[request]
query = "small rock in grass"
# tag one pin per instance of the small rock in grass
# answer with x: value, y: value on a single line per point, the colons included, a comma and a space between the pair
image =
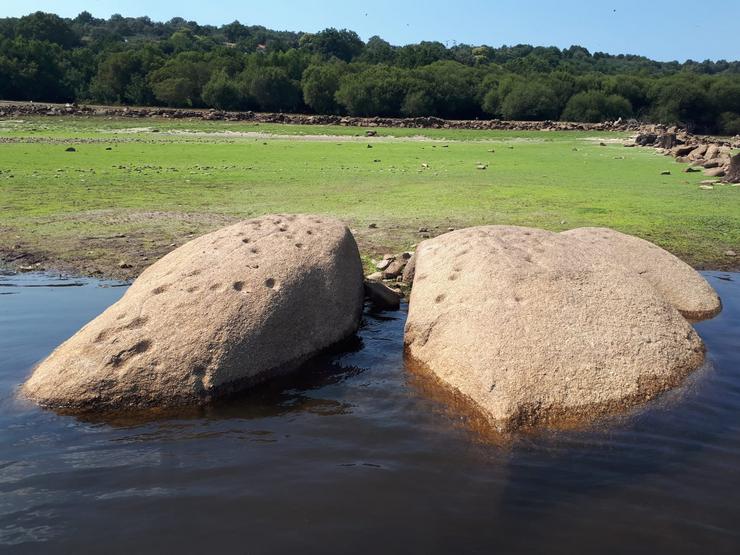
x: 372, y: 226
x: 70, y: 149
x: 715, y: 172
x: 706, y: 187
x: 666, y: 172
x: 124, y: 265
x: 730, y: 253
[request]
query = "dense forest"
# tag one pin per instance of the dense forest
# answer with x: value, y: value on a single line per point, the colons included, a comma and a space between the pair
x: 237, y: 67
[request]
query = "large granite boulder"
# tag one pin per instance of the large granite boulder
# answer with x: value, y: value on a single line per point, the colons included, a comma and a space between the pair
x: 672, y: 278
x: 532, y: 327
x: 222, y: 312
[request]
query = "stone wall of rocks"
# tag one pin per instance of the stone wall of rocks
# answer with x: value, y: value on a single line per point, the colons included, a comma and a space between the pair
x: 20, y: 109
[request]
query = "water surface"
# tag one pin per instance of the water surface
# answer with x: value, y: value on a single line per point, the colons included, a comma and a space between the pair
x: 350, y: 456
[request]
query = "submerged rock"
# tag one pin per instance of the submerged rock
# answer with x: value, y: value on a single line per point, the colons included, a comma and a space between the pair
x: 224, y: 311
x: 381, y: 296
x: 532, y: 327
x: 672, y: 278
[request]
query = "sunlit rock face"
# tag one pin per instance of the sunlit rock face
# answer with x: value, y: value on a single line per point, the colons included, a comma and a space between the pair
x: 534, y: 327
x: 222, y: 312
x: 673, y: 279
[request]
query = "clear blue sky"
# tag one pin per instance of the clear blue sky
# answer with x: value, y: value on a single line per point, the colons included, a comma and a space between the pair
x: 663, y: 30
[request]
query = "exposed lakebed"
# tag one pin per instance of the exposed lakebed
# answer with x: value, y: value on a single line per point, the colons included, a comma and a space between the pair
x: 353, y: 455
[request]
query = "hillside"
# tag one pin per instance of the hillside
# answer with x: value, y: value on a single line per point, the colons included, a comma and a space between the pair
x: 136, y: 61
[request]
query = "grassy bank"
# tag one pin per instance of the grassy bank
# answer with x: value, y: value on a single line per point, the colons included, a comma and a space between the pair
x: 131, y: 191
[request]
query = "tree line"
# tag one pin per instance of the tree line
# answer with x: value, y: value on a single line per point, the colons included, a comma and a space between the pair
x: 180, y: 63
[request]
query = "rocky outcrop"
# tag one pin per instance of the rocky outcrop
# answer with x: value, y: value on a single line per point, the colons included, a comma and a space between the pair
x: 222, y: 312
x: 704, y: 152
x: 674, y: 280
x: 533, y: 327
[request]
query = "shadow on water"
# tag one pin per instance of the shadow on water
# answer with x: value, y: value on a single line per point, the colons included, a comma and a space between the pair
x: 280, y: 396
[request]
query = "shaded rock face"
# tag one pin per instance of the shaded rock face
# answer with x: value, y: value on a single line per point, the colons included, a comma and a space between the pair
x: 381, y: 296
x: 674, y: 280
x: 534, y: 327
x: 223, y: 311
x: 733, y: 173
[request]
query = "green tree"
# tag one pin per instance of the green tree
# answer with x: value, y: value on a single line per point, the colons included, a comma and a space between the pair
x: 376, y: 91
x: 530, y: 100
x: 378, y: 51
x: 684, y: 100
x: 122, y: 77
x: 342, y: 44
x: 418, y: 102
x: 596, y: 106
x: 320, y: 84
x: 273, y: 90
x: 222, y: 92
x: 47, y: 27
x: 422, y: 54
x: 181, y: 80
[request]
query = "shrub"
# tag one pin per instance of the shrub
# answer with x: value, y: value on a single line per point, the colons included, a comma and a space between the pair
x: 273, y: 90
x: 222, y: 92
x: 530, y: 101
x: 320, y: 84
x: 596, y: 106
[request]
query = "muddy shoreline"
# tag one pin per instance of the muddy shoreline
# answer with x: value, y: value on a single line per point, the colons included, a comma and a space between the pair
x: 128, y: 256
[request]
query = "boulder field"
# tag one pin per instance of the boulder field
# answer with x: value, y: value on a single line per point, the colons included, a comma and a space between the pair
x: 224, y: 311
x: 712, y: 154
x: 534, y: 327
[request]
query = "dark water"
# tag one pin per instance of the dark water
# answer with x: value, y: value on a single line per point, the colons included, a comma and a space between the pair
x: 352, y: 457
